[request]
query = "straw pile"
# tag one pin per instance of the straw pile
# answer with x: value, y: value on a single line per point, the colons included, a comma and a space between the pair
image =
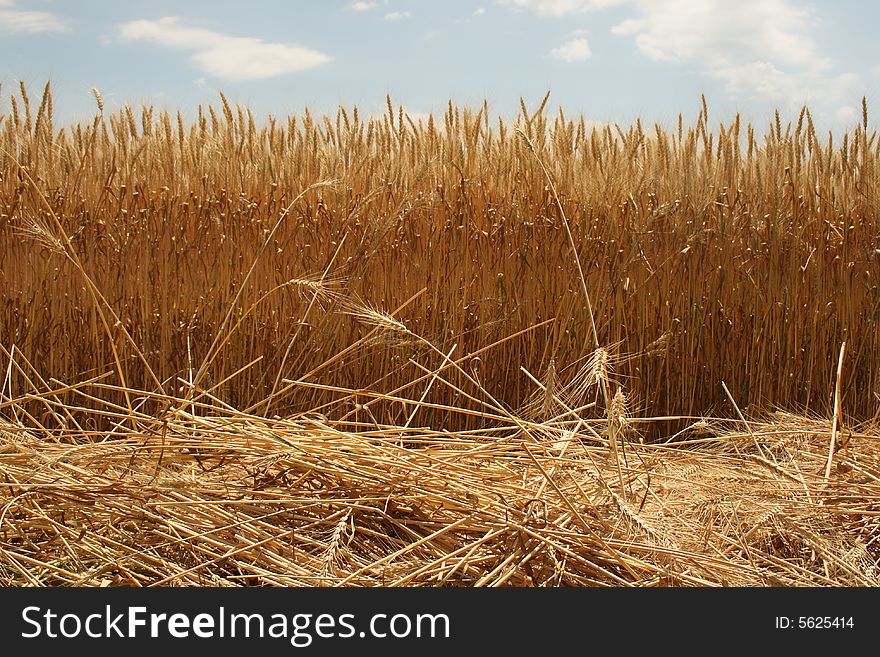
x: 213, y: 497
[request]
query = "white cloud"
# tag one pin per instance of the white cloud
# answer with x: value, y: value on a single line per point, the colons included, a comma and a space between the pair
x: 715, y: 31
x: 629, y: 26
x: 759, y: 48
x: 559, y: 7
x: 397, y: 15
x: 576, y: 50
x: 363, y: 6
x: 479, y: 11
x: 847, y: 115
x: 222, y: 56
x: 14, y: 21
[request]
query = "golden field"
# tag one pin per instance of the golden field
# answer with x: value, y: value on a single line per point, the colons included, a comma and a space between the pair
x: 462, y: 351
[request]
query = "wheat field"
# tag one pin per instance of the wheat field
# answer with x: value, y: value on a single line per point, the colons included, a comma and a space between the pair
x: 461, y: 351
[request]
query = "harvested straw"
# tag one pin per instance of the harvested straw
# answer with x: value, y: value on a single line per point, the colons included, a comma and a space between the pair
x: 219, y: 497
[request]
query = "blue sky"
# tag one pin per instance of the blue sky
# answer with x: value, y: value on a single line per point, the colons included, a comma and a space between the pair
x: 612, y: 60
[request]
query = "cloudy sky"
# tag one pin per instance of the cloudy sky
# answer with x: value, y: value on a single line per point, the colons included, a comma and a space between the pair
x: 611, y: 60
